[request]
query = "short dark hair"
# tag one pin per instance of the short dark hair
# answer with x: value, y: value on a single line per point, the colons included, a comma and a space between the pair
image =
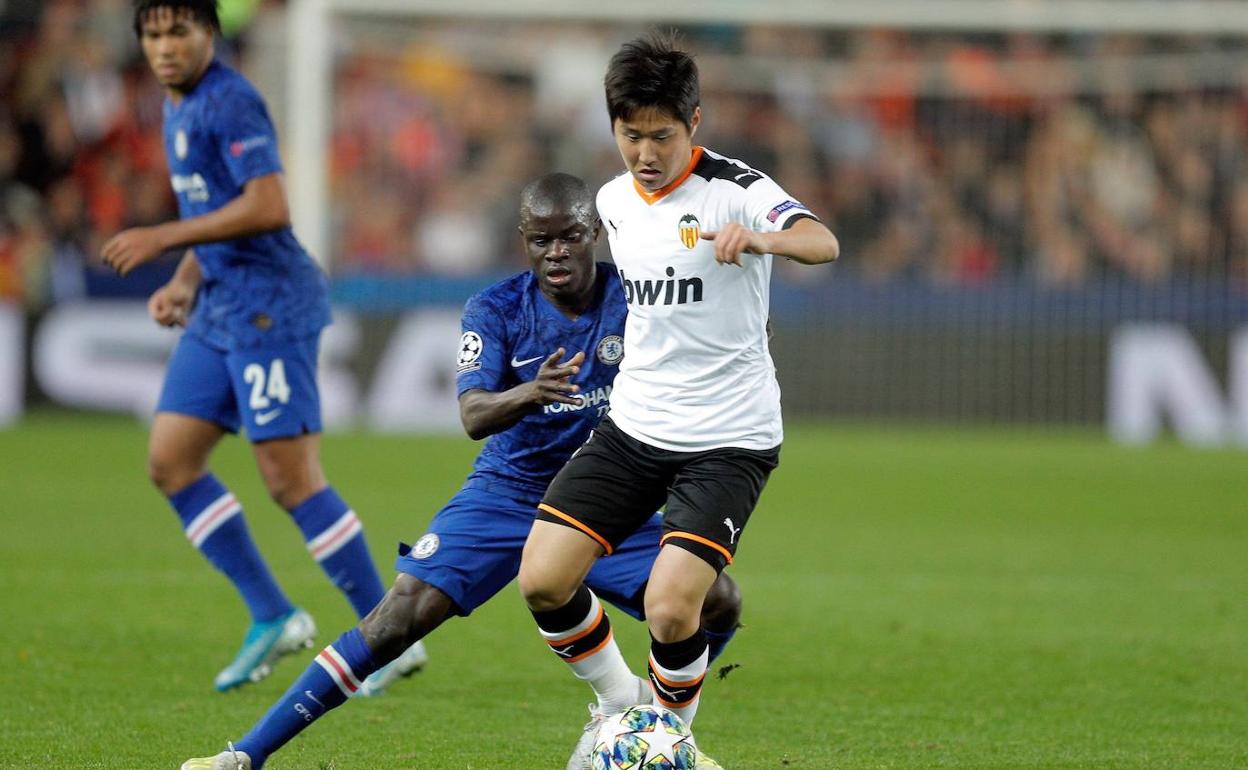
x: 558, y: 190
x: 652, y: 72
x: 204, y: 11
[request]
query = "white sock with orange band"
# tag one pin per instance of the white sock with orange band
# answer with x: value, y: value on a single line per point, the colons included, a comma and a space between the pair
x: 677, y: 670
x: 580, y: 634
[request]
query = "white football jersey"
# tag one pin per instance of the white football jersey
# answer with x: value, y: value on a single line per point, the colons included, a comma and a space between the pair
x: 697, y: 372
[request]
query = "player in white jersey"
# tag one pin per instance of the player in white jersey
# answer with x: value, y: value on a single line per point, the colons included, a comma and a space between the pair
x: 695, y: 410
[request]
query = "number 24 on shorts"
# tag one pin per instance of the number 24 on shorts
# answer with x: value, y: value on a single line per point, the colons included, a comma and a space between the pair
x: 267, y: 388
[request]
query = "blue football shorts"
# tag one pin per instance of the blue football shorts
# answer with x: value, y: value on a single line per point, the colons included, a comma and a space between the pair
x: 472, y: 549
x: 269, y: 391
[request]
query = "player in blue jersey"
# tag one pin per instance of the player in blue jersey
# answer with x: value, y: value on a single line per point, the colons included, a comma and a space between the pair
x: 536, y: 360
x: 254, y: 304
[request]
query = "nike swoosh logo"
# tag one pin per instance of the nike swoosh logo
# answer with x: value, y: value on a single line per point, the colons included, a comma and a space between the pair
x: 264, y: 418
x: 518, y: 364
x: 737, y: 178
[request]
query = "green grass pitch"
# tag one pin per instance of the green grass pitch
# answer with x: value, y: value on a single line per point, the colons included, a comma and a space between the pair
x: 915, y: 598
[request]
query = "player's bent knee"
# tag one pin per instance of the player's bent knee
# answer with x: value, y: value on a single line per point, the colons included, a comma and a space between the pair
x: 533, y: 589
x: 171, y: 474
x: 289, y: 488
x: 680, y: 581
x: 281, y: 482
x: 159, y: 472
x: 542, y: 590
x: 407, y: 613
x: 673, y: 627
x: 555, y: 561
x: 671, y: 617
x: 281, y: 490
x: 290, y: 469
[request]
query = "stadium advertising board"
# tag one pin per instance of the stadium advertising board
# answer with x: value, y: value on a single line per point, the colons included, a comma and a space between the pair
x: 1158, y: 376
x: 12, y: 363
x: 109, y: 356
x: 394, y: 372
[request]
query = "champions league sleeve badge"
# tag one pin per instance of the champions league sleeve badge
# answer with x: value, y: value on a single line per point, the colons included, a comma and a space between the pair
x: 470, y: 347
x: 611, y: 350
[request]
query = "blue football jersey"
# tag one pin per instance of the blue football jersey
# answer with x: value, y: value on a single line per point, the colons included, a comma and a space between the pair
x: 255, y: 290
x: 509, y: 329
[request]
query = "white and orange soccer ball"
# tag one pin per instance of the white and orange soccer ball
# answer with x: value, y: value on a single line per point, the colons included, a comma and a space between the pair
x: 644, y: 737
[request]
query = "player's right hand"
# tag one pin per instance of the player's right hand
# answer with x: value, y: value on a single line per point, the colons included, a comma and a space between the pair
x: 553, y: 383
x: 734, y: 240
x: 134, y: 247
x: 170, y: 305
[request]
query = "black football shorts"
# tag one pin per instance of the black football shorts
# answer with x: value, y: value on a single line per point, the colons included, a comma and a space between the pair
x: 614, y: 483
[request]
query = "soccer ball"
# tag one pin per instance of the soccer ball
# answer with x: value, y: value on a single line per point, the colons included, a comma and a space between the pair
x: 644, y: 738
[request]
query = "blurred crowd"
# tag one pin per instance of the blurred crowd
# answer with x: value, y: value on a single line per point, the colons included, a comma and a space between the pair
x: 954, y: 160
x: 80, y: 148
x: 951, y: 160
x: 80, y: 152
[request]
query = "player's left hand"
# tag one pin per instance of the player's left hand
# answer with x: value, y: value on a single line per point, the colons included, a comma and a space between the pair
x: 130, y: 248
x: 734, y: 240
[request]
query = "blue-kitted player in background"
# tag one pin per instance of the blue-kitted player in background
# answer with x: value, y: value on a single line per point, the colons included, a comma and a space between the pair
x: 535, y: 364
x: 254, y: 304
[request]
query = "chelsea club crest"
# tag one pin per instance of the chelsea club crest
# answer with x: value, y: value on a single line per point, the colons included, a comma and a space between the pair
x: 426, y: 546
x: 611, y: 350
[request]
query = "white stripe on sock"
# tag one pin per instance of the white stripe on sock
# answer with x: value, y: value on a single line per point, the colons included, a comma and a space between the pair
x: 686, y: 674
x: 211, y: 518
x: 338, y: 670
x: 679, y: 678
x: 335, y: 536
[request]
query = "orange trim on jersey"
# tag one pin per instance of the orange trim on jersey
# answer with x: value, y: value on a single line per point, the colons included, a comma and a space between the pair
x: 661, y: 193
x: 602, y: 541
x: 581, y: 635
x: 587, y: 653
x: 699, y: 539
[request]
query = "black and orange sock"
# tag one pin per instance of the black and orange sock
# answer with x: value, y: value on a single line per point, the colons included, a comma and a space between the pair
x: 677, y: 670
x: 579, y: 632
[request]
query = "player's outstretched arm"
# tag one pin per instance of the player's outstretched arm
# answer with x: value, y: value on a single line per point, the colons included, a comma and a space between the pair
x: 171, y: 304
x: 259, y: 209
x: 485, y: 413
x: 808, y: 241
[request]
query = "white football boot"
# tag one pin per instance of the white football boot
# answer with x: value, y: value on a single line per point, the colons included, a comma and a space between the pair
x: 230, y: 759
x: 583, y: 754
x: 410, y: 661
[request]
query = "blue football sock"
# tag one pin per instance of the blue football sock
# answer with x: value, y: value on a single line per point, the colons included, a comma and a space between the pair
x: 335, y: 538
x: 213, y: 521
x: 329, y: 680
x: 716, y: 641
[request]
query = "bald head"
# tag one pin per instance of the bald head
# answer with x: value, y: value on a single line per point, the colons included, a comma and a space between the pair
x: 559, y: 227
x: 557, y: 193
